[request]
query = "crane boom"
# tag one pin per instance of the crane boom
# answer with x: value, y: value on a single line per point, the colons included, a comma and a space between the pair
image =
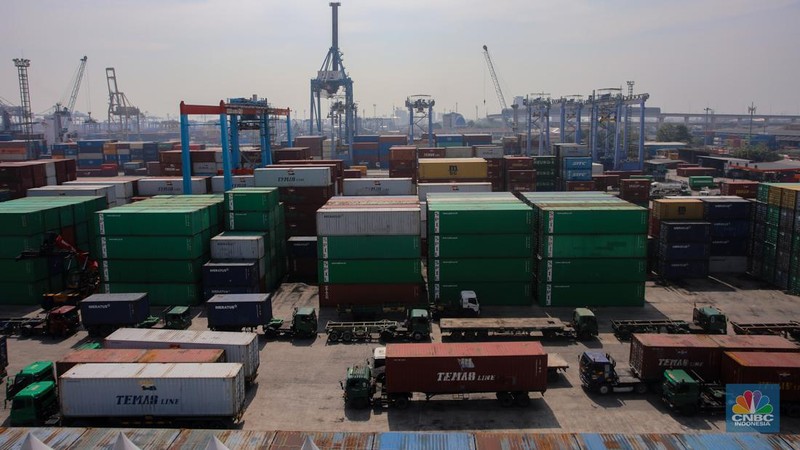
x: 496, y: 82
x: 76, y: 87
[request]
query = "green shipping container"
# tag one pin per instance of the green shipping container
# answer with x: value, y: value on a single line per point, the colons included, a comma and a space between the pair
x: 481, y: 246
x: 161, y: 294
x: 23, y: 271
x: 590, y: 270
x: 21, y: 222
x: 250, y: 221
x: 123, y: 221
x: 152, y: 271
x: 477, y: 218
x: 593, y: 246
x: 154, y: 247
x: 251, y: 199
x: 12, y: 246
x: 372, y: 271
x: 480, y: 269
x: 589, y: 219
x: 489, y: 294
x: 23, y: 293
x: 590, y: 294
x: 368, y: 247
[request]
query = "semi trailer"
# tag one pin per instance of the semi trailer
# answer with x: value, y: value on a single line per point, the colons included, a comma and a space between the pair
x: 510, y: 371
x: 237, y: 312
x: 416, y: 326
x: 582, y: 326
x: 466, y: 305
x: 101, y: 314
x: 705, y: 320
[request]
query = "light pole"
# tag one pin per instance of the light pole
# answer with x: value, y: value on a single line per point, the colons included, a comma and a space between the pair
x: 708, y: 125
x: 751, y: 110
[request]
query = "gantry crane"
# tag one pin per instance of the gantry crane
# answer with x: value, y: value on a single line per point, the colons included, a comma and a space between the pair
x: 26, y: 117
x: 63, y: 114
x: 120, y: 110
x: 500, y: 96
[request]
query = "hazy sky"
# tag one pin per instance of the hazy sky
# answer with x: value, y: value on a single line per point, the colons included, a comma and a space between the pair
x: 687, y: 54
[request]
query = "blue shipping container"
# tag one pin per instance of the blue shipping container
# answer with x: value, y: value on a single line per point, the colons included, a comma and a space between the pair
x: 366, y: 138
x: 729, y: 247
x: 731, y: 229
x: 577, y: 175
x: 90, y: 163
x: 238, y: 310
x: 722, y: 209
x: 684, y: 231
x: 577, y: 163
x: 683, y: 269
x: 683, y: 251
x: 115, y: 309
x: 210, y: 291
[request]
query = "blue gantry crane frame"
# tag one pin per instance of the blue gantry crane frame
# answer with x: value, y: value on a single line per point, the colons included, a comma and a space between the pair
x: 538, y: 111
x: 420, y: 107
x: 570, y: 109
x: 256, y: 112
x: 610, y: 113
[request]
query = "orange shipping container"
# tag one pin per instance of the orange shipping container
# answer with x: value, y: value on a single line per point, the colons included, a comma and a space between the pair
x: 678, y: 209
x: 452, y: 168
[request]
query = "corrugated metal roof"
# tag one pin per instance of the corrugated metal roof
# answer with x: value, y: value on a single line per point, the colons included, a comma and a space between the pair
x: 517, y: 441
x: 144, y: 438
x: 675, y: 340
x: 233, y: 439
x: 766, y: 359
x: 182, y: 336
x: 153, y: 370
x: 769, y: 343
x: 293, y: 440
x: 732, y: 441
x: 58, y: 438
x: 464, y: 349
x: 593, y: 441
x: 425, y: 441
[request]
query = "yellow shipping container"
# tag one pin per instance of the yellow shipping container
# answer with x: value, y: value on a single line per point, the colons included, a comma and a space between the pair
x: 452, y: 168
x: 774, y: 195
x: 678, y: 209
x: 362, y: 169
x: 789, y: 196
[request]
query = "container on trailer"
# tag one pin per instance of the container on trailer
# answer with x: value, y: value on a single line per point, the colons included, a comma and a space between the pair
x: 353, y: 221
x: 172, y: 390
x: 130, y: 355
x: 239, y: 310
x: 652, y: 354
x: 763, y: 368
x: 445, y: 368
x: 239, y: 347
x: 378, y: 186
x: 293, y: 176
x: 118, y: 309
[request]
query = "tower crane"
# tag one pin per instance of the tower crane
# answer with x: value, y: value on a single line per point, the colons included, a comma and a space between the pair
x: 497, y: 88
x: 63, y: 114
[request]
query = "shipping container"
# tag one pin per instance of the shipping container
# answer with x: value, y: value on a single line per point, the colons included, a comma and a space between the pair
x: 263, y: 199
x: 239, y: 348
x: 590, y: 294
x: 152, y: 270
x: 678, y: 270
x: 443, y: 368
x: 727, y: 264
x: 488, y: 151
x: 764, y: 368
x: 480, y: 269
x: 107, y: 191
x: 130, y: 355
x: 678, y: 209
x: 237, y: 311
x: 385, y: 271
x: 478, y: 218
x: 423, y: 189
x: 302, y: 247
x: 147, y: 187
x: 481, y: 246
x: 628, y: 219
x: 371, y: 294
x: 277, y: 176
x: 593, y: 246
x: 452, y: 168
x: 731, y: 229
x: 369, y: 247
x: 117, y: 309
x: 351, y: 221
x: 379, y: 186
x: 459, y: 152
x: 238, y: 245
x: 589, y: 270
x: 683, y: 251
x: 725, y: 208
x: 152, y: 247
x: 684, y: 231
x: 503, y: 293
x: 231, y: 273
x: 116, y: 391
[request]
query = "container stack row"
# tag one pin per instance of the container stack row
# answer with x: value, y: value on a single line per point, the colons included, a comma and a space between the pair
x: 730, y: 219
x: 445, y: 170
x: 683, y: 238
x: 17, y: 177
x: 24, y: 225
x: 574, y: 167
x: 590, y: 247
x: 519, y: 174
x: 158, y: 246
x: 90, y: 153
x: 366, y: 151
x: 776, y: 236
x: 368, y: 251
x: 403, y: 162
x: 302, y: 190
x: 480, y: 242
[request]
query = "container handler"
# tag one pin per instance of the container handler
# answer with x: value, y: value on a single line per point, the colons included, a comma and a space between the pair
x: 705, y: 320
x: 416, y: 327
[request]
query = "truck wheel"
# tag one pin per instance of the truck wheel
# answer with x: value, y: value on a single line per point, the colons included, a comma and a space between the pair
x: 506, y: 400
x: 417, y: 336
x: 522, y: 399
x: 333, y: 336
x: 400, y: 402
x: 347, y: 336
x: 640, y: 388
x: 386, y: 335
x: 604, y: 389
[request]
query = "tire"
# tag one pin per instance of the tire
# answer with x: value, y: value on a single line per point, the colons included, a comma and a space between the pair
x: 347, y: 336
x: 506, y: 399
x: 416, y: 336
x: 604, y: 389
x: 400, y: 402
x: 640, y: 388
x: 522, y: 399
x: 333, y: 336
x: 386, y: 335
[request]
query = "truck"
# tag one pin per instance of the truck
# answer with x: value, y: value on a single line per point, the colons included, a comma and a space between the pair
x: 687, y: 393
x: 239, y: 348
x: 135, y: 394
x: 177, y: 317
x: 510, y: 370
x: 582, y: 326
x: 705, y: 320
x: 598, y: 373
x: 235, y: 312
x: 101, y: 314
x: 32, y: 373
x: 59, y: 321
x: 786, y: 329
x: 3, y: 357
x: 416, y: 326
x: 662, y: 189
x: 466, y: 305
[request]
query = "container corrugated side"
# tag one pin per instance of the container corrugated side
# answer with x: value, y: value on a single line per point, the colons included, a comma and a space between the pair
x: 481, y: 245
x: 593, y: 246
x: 239, y: 347
x: 368, y: 247
x: 423, y: 189
x: 293, y: 176
x: 237, y: 181
x: 589, y: 270
x: 603, y: 220
x: 378, y: 186
x: 480, y: 269
x: 591, y: 294
x: 147, y: 187
x: 479, y: 218
x: 238, y: 245
x: 452, y: 168
x: 384, y: 271
x: 403, y: 220
x: 116, y: 390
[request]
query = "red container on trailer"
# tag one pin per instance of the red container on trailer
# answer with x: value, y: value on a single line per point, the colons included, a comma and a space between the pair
x: 764, y: 368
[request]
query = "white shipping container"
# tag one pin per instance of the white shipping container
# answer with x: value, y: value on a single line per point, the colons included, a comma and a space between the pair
x: 423, y: 189
x: 368, y: 222
x: 458, y: 152
x: 293, y: 176
x: 122, y: 188
x: 50, y: 169
x: 52, y: 181
x: 218, y: 183
x: 164, y: 186
x: 204, y: 168
x: 378, y: 186
x: 234, y: 246
x: 239, y: 348
x: 160, y: 390
x: 76, y: 191
x: 597, y: 169
x: 727, y: 264
x: 570, y: 151
x: 489, y: 151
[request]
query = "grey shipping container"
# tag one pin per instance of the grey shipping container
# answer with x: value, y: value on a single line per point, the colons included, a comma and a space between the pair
x: 116, y: 309
x: 239, y: 347
x: 233, y: 312
x: 293, y: 176
x: 368, y: 222
x: 378, y: 186
x: 205, y: 390
x: 238, y: 245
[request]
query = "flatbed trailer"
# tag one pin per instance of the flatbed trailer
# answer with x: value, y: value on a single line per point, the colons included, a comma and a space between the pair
x: 785, y: 329
x: 483, y: 328
x: 625, y: 328
x: 20, y: 325
x: 556, y: 364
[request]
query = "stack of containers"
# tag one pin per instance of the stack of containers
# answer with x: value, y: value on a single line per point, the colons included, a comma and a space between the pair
x: 480, y: 242
x: 458, y: 152
x: 312, y: 143
x: 636, y: 191
x: 237, y: 181
x: 431, y: 152
x: 17, y: 177
x: 158, y: 246
x: 23, y: 224
x: 124, y: 188
x: 682, y: 238
x: 493, y: 155
x: 150, y: 186
x: 365, y: 150
x: 61, y: 150
x: 369, y: 251
x: 402, y: 162
x: 739, y: 188
x: 117, y: 153
x: 519, y: 174
x: 439, y: 170
x: 302, y: 190
x: 302, y: 254
x: 478, y: 140
x: 730, y: 232
x: 545, y: 167
x: 385, y: 143
x: 289, y: 153
x: 90, y: 153
x: 18, y: 150
x: 573, y: 164
x: 776, y: 245
x: 77, y: 191
x: 603, y: 264
x: 448, y: 140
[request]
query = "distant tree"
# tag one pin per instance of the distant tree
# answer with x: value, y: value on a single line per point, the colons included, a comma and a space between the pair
x: 757, y: 153
x: 673, y: 133
x: 471, y: 123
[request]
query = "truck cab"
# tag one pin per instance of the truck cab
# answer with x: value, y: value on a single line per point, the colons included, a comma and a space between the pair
x: 687, y: 394
x: 32, y: 373
x: 34, y: 405
x: 358, y: 387
x: 710, y: 319
x: 177, y: 318
x: 62, y: 321
x: 304, y: 322
x: 378, y: 363
x: 466, y: 305
x: 469, y: 303
x: 585, y: 323
x: 418, y: 324
x: 598, y: 374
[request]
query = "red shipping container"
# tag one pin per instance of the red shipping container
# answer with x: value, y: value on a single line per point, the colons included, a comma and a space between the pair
x: 399, y: 139
x: 205, y: 156
x: 520, y: 186
x: 520, y: 176
x: 112, y: 355
x: 153, y: 169
x: 449, y: 368
x: 764, y: 368
x: 518, y: 163
x: 403, y: 165
x: 307, y: 162
x: 580, y: 186
x: 403, y: 153
x: 306, y: 195
x: 741, y: 188
x: 371, y: 294
x: 431, y: 152
x: 292, y: 153
x: 170, y: 156
x: 351, y: 173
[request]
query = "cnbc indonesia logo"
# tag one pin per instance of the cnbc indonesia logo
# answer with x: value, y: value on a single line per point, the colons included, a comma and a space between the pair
x: 753, y: 409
